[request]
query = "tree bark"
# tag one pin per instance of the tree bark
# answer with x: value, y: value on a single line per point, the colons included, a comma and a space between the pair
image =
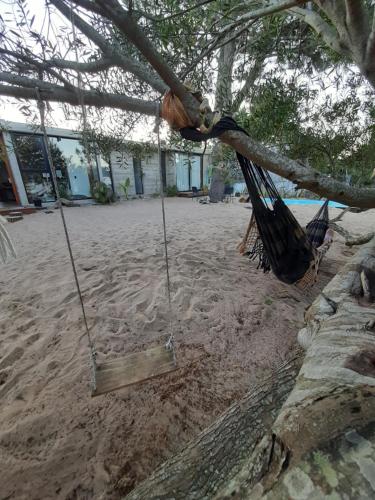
x: 91, y: 98
x: 220, y: 452
x: 302, y: 176
x: 323, y: 440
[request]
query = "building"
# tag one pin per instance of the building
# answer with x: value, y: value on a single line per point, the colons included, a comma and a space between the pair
x: 25, y: 172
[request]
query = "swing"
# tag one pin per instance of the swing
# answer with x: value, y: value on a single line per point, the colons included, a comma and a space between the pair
x: 140, y: 366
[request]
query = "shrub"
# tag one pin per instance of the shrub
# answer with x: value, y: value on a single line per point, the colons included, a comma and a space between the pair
x: 171, y: 191
x: 102, y: 193
x: 125, y: 187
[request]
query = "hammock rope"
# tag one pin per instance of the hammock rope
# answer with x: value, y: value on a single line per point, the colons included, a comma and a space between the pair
x: 283, y: 245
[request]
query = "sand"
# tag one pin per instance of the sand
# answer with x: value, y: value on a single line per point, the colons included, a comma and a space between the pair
x: 232, y: 324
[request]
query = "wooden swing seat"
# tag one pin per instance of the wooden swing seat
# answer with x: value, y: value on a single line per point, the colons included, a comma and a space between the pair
x: 133, y: 369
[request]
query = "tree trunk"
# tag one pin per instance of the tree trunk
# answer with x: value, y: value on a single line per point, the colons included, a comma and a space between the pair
x: 323, y: 440
x: 218, y: 454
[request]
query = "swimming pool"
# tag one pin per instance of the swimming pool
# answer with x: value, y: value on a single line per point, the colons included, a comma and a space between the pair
x: 304, y: 201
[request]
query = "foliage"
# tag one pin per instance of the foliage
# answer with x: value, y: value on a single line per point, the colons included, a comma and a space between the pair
x: 125, y: 187
x: 171, y: 191
x: 102, y: 193
x: 304, y: 99
x: 334, y: 136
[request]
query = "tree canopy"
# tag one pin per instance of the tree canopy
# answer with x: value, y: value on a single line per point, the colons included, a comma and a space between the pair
x: 298, y: 75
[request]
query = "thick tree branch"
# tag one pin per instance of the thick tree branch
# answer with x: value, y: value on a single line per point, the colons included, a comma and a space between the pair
x: 254, y: 73
x: 228, y: 444
x: 322, y: 28
x: 223, y: 95
x: 304, y: 177
x: 126, y: 63
x: 55, y: 93
x: 357, y: 23
x: 135, y: 35
x: 370, y: 48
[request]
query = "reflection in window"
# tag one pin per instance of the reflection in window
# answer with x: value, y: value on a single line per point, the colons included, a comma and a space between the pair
x: 35, y: 171
x: 105, y: 171
x: 72, y: 168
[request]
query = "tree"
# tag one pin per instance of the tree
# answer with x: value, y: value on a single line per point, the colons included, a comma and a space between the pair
x: 277, y: 454
x: 315, y: 440
x: 117, y: 53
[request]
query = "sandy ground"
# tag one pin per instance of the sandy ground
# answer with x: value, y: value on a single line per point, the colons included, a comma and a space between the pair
x: 233, y: 323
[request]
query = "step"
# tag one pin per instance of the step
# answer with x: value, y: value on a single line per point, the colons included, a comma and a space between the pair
x: 14, y: 218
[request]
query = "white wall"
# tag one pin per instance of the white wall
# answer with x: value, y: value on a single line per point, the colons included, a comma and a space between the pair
x: 170, y: 169
x: 122, y: 168
x: 151, y: 174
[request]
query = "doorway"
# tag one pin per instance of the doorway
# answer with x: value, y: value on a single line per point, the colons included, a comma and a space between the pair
x: 188, y: 171
x: 8, y: 191
x: 34, y: 167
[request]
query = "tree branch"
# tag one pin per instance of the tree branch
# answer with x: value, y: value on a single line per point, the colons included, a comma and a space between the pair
x: 39, y: 65
x: 357, y: 23
x: 185, y: 11
x: 126, y: 63
x: 370, y: 48
x: 87, y: 67
x: 130, y: 29
x: 55, y: 93
x: 254, y: 73
x: 228, y: 444
x: 322, y: 28
x: 304, y: 177
x: 265, y: 11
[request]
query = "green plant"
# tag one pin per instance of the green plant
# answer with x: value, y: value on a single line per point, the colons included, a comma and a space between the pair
x: 64, y: 191
x: 125, y: 187
x: 171, y: 191
x: 268, y: 301
x: 102, y: 193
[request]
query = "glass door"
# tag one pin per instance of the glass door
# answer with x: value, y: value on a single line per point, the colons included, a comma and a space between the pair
x: 72, y: 168
x: 34, y: 167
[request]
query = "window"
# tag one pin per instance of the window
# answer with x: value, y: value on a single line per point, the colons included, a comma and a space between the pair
x: 34, y: 167
x: 72, y: 168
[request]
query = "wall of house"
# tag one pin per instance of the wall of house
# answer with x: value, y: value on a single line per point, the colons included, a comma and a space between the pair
x: 122, y: 168
x: 170, y: 168
x: 151, y: 174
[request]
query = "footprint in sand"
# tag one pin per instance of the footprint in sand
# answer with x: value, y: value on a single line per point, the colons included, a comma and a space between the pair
x: 11, y: 358
x: 59, y: 314
x: 4, y: 374
x: 32, y: 339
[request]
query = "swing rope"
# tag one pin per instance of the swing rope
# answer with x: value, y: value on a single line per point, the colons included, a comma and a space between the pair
x: 170, y: 342
x: 81, y: 99
x: 41, y: 108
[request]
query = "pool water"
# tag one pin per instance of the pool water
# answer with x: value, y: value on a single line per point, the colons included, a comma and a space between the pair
x: 304, y: 201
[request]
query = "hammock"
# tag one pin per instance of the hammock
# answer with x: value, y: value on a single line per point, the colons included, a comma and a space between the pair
x: 282, y: 246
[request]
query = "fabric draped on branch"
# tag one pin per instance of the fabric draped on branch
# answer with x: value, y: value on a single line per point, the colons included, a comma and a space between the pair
x: 282, y: 246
